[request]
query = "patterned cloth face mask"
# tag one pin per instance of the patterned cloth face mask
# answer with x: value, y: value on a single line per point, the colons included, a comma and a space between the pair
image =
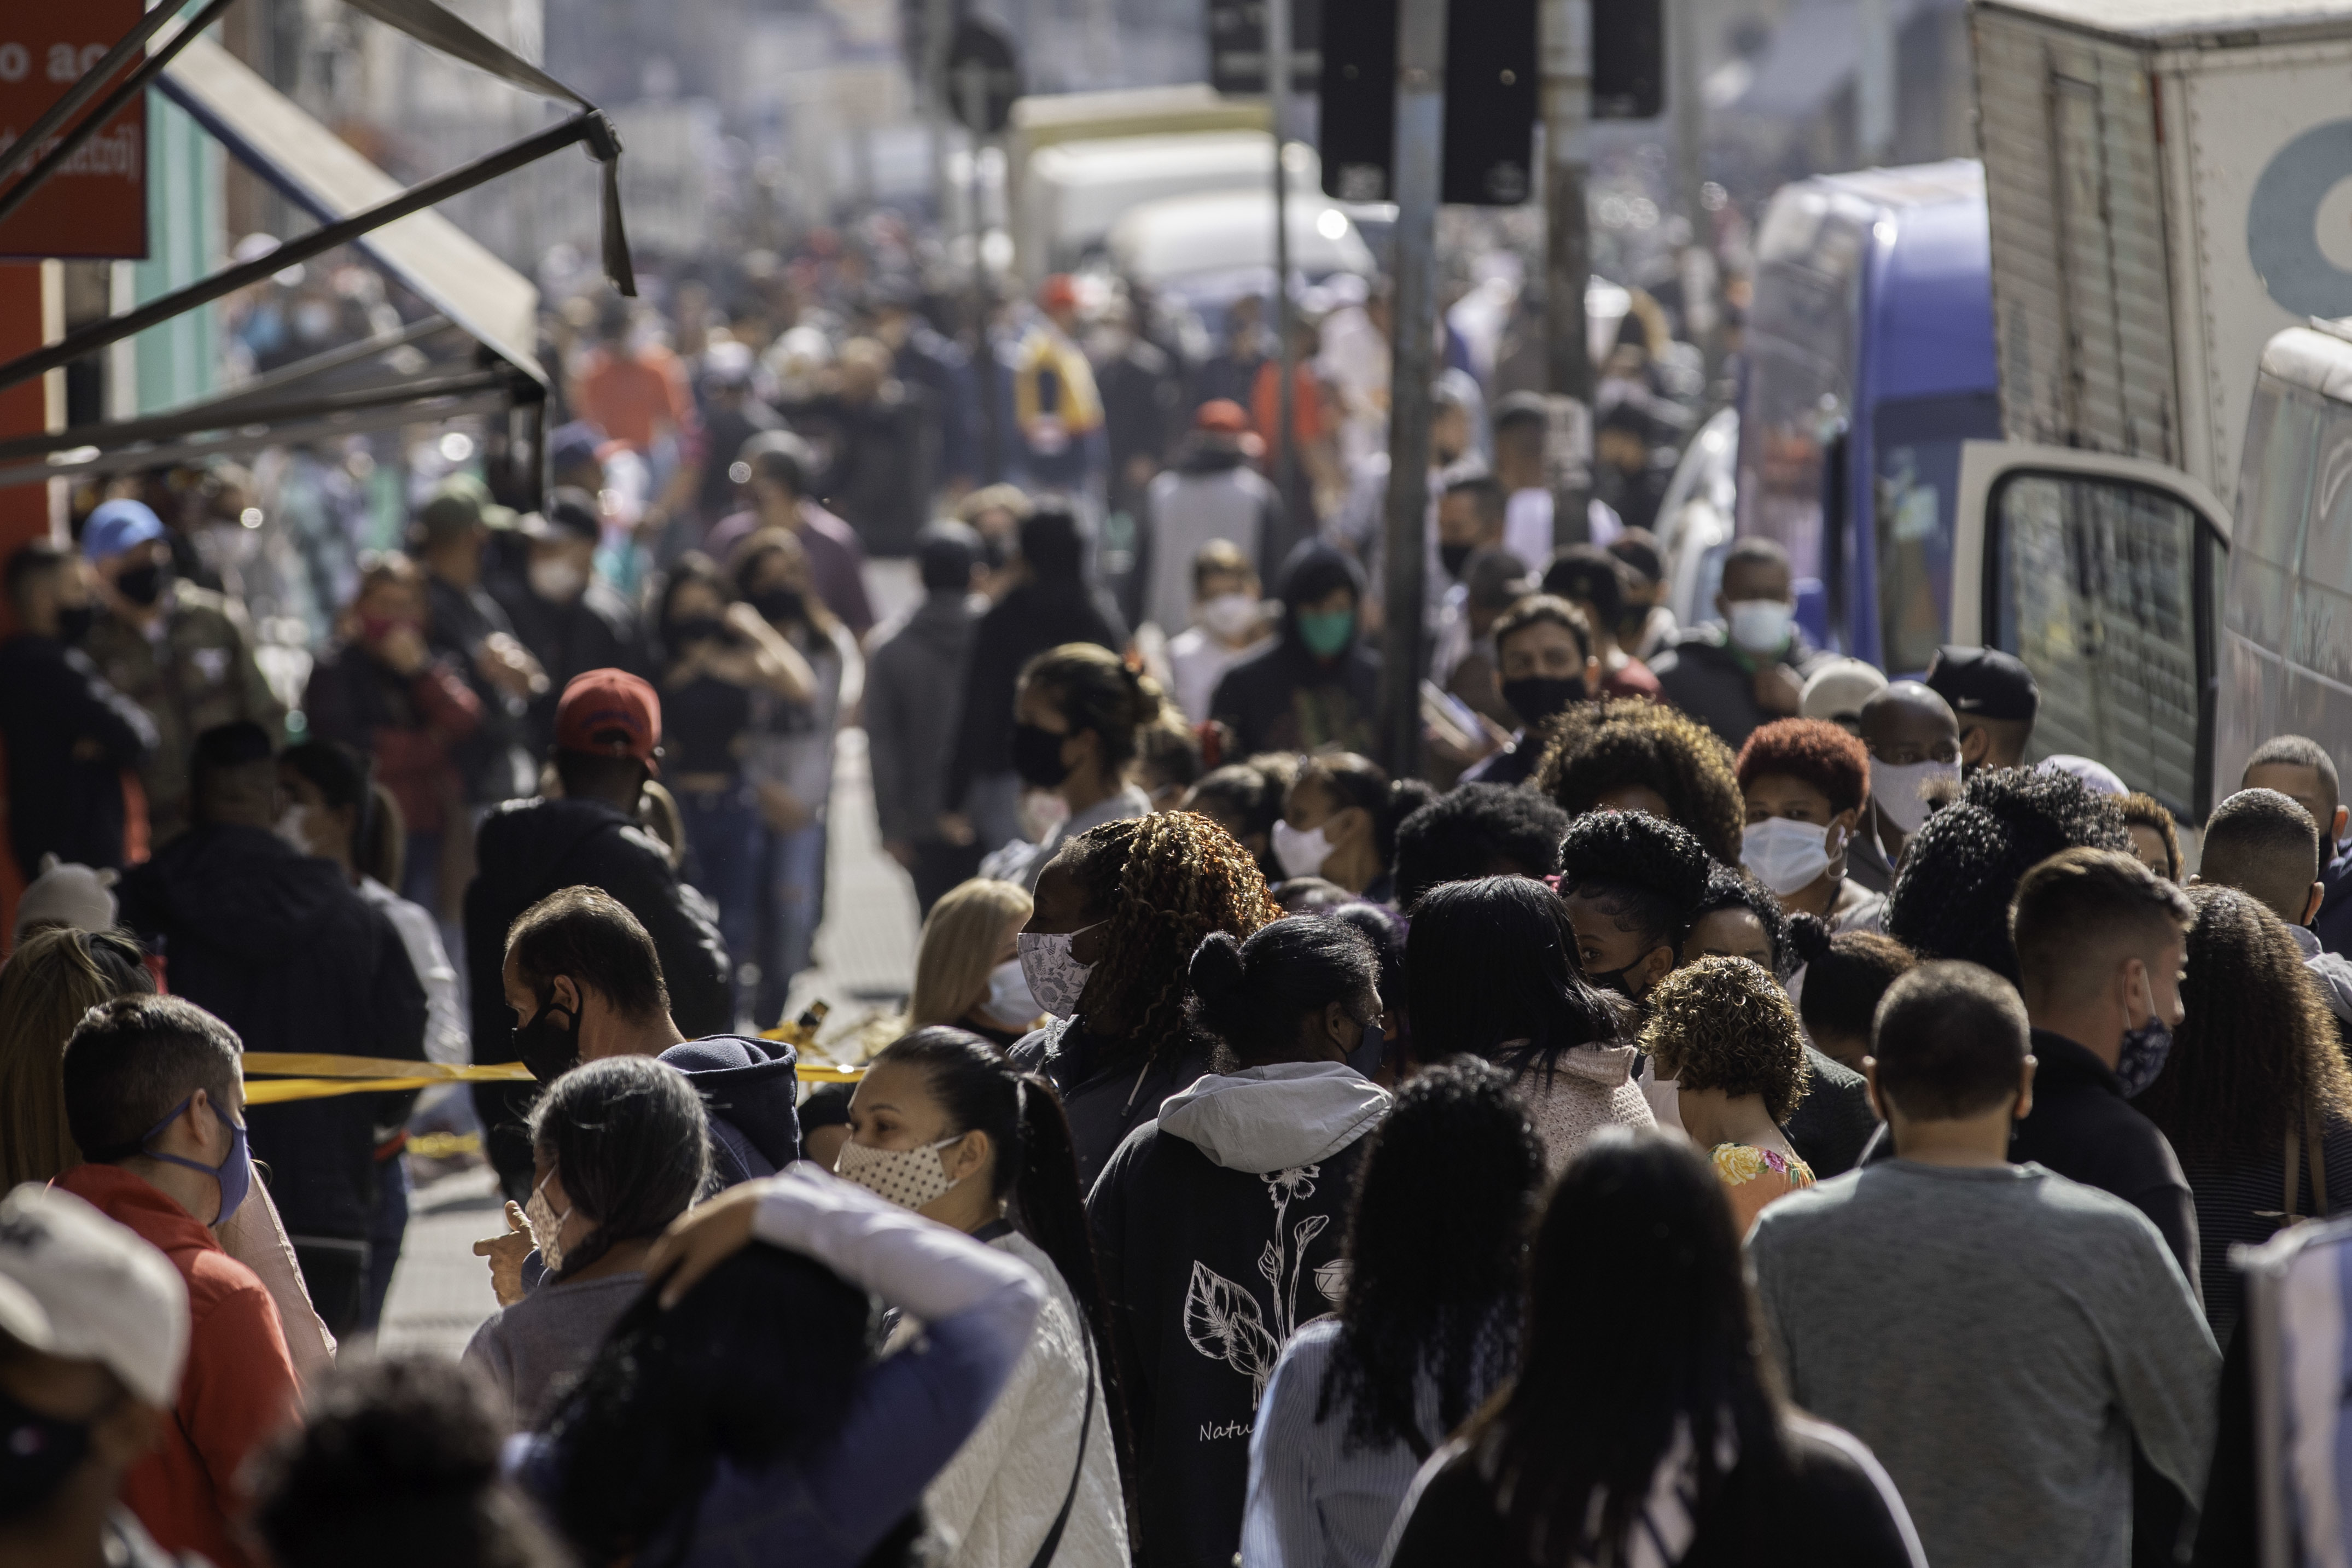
x: 1056, y: 976
x: 911, y: 1178
x: 546, y: 1227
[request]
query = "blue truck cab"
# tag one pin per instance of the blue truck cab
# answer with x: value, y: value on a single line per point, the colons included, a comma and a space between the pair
x: 1869, y: 361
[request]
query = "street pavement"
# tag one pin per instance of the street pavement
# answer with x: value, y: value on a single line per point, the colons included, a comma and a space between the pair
x: 865, y: 964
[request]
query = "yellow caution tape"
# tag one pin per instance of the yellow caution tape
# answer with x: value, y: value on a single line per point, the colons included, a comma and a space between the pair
x: 444, y: 1146
x: 318, y: 1076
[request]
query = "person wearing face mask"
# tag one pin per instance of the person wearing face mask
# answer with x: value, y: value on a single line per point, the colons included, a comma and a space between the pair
x: 384, y: 692
x: 1632, y: 885
x: 70, y: 736
x: 155, y: 1096
x: 1120, y: 910
x: 1913, y: 741
x: 914, y: 681
x: 279, y: 946
x: 944, y: 1125
x: 1211, y: 496
x: 93, y: 1338
x: 1491, y: 970
x: 1318, y: 687
x: 1229, y: 625
x: 619, y: 1149
x: 1544, y: 656
x: 968, y: 963
x: 563, y: 611
x: 1076, y: 718
x: 184, y: 653
x: 1751, y: 668
x: 1804, y: 782
x: 1339, y: 822
x: 1229, y: 1206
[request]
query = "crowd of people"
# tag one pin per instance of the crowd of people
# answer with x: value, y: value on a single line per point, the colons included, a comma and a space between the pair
x: 1731, y: 1106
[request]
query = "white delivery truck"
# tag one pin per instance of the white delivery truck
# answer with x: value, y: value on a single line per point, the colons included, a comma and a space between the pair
x: 2169, y: 187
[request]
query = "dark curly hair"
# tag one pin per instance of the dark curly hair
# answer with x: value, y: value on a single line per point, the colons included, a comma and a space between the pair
x: 2144, y: 811
x: 1789, y: 935
x: 1596, y: 747
x: 1494, y: 960
x: 1643, y: 870
x: 1436, y: 1232
x: 395, y: 1462
x: 2257, y: 1045
x: 1723, y: 1023
x: 1477, y: 829
x: 1813, y: 751
x: 1844, y: 978
x: 1961, y: 869
x: 1163, y: 882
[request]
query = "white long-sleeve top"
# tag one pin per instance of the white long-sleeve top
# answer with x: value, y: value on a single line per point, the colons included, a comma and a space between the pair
x: 445, y: 1022
x: 998, y: 1497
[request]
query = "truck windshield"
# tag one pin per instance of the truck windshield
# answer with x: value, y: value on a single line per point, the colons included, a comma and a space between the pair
x: 1800, y: 380
x: 2102, y: 586
x: 1916, y: 472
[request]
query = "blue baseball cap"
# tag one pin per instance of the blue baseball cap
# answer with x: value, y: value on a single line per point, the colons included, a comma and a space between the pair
x: 118, y: 526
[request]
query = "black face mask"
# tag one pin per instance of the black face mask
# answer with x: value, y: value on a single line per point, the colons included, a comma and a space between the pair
x: 778, y: 605
x: 1454, y: 557
x: 1616, y: 979
x: 74, y: 621
x: 695, y: 629
x: 1037, y: 757
x: 550, y: 1052
x: 38, y: 1454
x: 142, y: 585
x: 1536, y: 698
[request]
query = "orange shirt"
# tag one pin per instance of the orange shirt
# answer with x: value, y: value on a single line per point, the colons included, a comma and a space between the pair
x: 238, y: 1388
x: 634, y: 397
x: 1306, y: 404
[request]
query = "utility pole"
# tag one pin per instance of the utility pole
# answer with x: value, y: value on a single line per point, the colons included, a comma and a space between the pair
x: 1419, y: 161
x: 939, y: 21
x: 1277, y: 93
x: 1873, y: 92
x: 1567, y: 30
x: 1687, y: 102
x: 972, y: 81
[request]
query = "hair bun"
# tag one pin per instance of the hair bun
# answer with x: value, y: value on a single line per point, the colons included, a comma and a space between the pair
x: 1809, y: 938
x: 1217, y: 969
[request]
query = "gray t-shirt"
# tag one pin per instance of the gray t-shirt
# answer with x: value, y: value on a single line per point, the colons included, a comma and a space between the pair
x: 1997, y: 1336
x: 547, y: 1336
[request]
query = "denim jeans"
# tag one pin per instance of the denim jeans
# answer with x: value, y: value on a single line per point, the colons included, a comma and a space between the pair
x: 792, y: 902
x: 723, y: 826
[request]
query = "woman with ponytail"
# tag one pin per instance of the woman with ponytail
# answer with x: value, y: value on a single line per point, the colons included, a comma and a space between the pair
x: 619, y: 1148
x: 942, y: 1124
x: 1120, y: 910
x: 1077, y: 719
x: 1218, y: 1223
x: 1339, y: 822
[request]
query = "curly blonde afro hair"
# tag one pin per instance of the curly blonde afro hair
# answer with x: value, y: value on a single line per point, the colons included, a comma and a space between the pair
x: 1723, y: 1023
x: 1596, y: 747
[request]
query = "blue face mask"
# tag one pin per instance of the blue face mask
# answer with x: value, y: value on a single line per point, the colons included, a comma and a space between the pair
x: 2143, y: 1053
x: 234, y: 1173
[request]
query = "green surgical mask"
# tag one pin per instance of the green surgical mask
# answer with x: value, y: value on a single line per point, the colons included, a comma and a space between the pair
x: 1326, y: 633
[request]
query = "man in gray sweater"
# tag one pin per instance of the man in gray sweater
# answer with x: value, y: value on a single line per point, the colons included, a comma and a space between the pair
x: 1998, y: 1335
x: 914, y: 688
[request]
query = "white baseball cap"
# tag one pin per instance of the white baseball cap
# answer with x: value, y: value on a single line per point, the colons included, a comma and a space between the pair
x: 75, y: 1284
x: 1839, y: 688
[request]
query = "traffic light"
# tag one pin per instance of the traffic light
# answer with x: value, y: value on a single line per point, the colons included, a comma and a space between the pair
x: 1491, y: 89
x: 1629, y: 59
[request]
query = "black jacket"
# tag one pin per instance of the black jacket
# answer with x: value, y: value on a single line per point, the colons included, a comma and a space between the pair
x: 1218, y: 1227
x: 750, y: 1087
x: 70, y: 736
x: 1031, y: 618
x: 1286, y: 699
x: 1713, y: 683
x: 2082, y: 1127
x: 1107, y: 1090
x: 914, y: 679
x: 597, y: 631
x: 1826, y: 1512
x: 279, y: 947
x: 1834, y: 1122
x: 528, y: 849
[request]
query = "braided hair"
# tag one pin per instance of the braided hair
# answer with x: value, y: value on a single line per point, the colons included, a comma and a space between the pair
x: 1167, y: 881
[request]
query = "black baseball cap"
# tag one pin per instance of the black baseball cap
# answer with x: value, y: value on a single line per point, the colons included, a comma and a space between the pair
x: 1984, y: 683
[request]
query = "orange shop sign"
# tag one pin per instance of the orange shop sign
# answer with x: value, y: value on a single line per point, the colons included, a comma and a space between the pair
x: 96, y: 204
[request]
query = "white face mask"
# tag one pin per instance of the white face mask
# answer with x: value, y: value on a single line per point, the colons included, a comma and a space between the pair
x: 557, y: 578
x: 1760, y: 625
x: 294, y: 827
x: 910, y: 1178
x: 1230, y: 616
x: 546, y: 1227
x: 1056, y: 979
x: 1901, y: 790
x: 1301, y: 853
x: 1788, y: 855
x: 1010, y: 1001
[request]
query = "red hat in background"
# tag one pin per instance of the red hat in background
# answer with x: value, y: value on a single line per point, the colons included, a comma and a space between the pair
x: 610, y: 712
x: 1058, y: 293
x: 1221, y: 415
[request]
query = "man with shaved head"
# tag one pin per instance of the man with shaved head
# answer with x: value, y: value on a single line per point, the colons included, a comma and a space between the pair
x: 1914, y: 739
x: 2264, y: 844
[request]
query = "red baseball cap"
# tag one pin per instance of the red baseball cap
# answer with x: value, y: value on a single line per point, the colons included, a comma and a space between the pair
x: 610, y: 712
x: 1059, y: 292
x: 1222, y: 415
